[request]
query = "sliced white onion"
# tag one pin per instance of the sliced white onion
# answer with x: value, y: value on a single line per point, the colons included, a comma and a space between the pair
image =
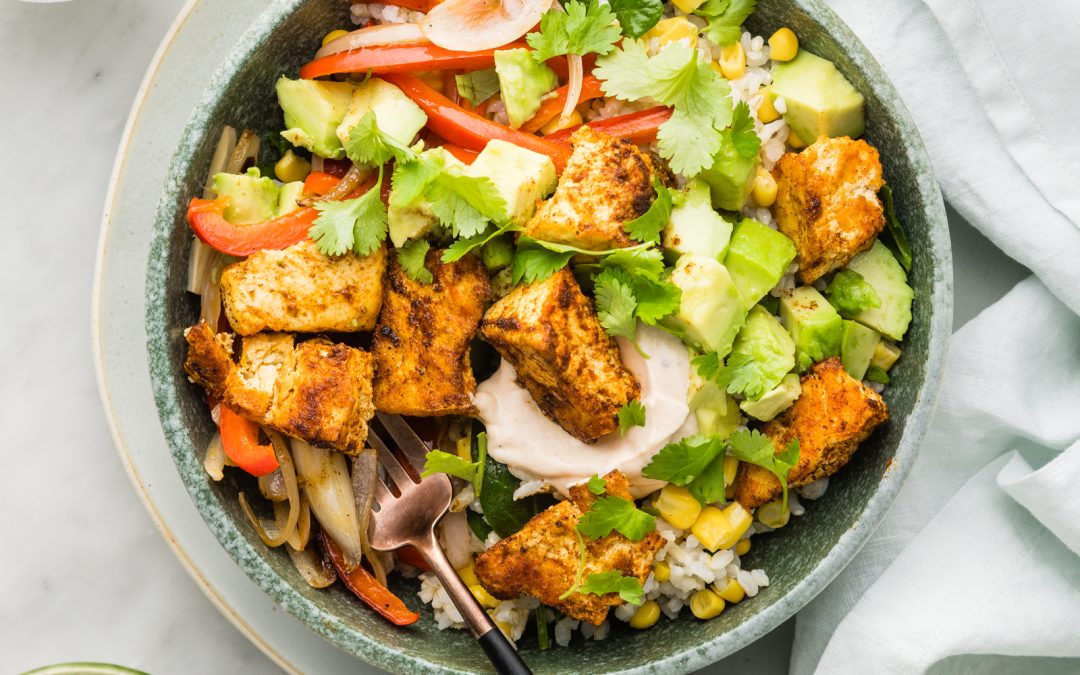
x: 329, y: 490
x: 473, y: 25
x: 317, y: 572
x: 456, y: 537
x: 224, y: 149
x: 375, y: 36
x: 214, y: 461
x: 283, y: 526
x: 576, y: 71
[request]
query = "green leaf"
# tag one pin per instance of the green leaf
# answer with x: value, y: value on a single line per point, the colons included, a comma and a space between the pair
x: 877, y: 374
x: 412, y: 256
x: 631, y: 415
x: 580, y: 567
x: 755, y: 448
x: 477, y: 86
x: 725, y: 19
x: 615, y: 303
x: 533, y: 263
x: 784, y: 462
x: 358, y: 224
x: 597, y: 485
x: 437, y: 461
x: 642, y: 267
x: 707, y: 365
x: 708, y: 487
x: 615, y: 513
x: 681, y: 462
x: 743, y: 137
x: 612, y: 581
x: 636, y: 17
x: 411, y: 179
x: 898, y: 243
x: 648, y: 226
x: 460, y: 248
x: 656, y: 299
x: 850, y: 294
x: 743, y: 374
x: 578, y: 28
x: 365, y: 144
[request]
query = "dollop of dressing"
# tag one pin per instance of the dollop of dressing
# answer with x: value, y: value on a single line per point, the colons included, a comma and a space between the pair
x: 530, y: 444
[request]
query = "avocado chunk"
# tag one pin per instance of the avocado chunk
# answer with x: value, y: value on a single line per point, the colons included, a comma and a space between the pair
x: 415, y: 220
x: 731, y: 176
x: 885, y: 355
x: 522, y: 80
x: 857, y: 347
x: 313, y: 111
x: 287, y: 196
x: 814, y: 324
x: 880, y: 269
x: 776, y: 401
x: 497, y: 253
x: 522, y: 177
x: 763, y: 344
x: 820, y: 101
x: 694, y: 226
x: 716, y: 412
x: 395, y: 113
x: 710, y: 312
x: 252, y: 197
x: 757, y: 257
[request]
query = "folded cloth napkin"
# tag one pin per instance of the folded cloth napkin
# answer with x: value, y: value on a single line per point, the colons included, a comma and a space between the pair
x: 980, y: 555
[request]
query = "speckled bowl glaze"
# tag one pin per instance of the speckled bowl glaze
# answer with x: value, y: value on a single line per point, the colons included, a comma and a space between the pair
x: 800, y: 559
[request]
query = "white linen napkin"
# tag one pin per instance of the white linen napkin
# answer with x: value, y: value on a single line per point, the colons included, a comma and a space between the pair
x: 980, y: 555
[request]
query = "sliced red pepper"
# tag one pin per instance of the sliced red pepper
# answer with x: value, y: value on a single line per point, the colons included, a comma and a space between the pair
x: 240, y: 441
x: 410, y: 556
x: 319, y: 183
x: 367, y: 588
x: 552, y: 107
x: 207, y: 219
x: 400, y: 59
x: 638, y: 127
x: 467, y: 129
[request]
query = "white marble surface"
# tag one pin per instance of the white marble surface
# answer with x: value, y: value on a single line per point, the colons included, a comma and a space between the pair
x: 90, y: 578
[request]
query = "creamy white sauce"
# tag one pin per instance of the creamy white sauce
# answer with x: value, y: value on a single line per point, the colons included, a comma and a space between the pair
x: 530, y: 444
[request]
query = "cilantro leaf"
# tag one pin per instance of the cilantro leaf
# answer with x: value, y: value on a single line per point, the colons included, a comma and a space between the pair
x: 656, y: 298
x: 411, y: 179
x: 756, y: 448
x: 681, y: 462
x: 477, y: 86
x: 743, y: 137
x: 709, y: 485
x: 437, y: 461
x: 357, y: 224
x: 643, y: 267
x: 725, y: 19
x: 707, y: 365
x: 648, y: 226
x: 580, y: 568
x: 743, y: 374
x: 464, y: 203
x: 636, y: 17
x: 412, y: 256
x: 615, y: 303
x: 631, y: 415
x: 366, y: 144
x: 615, y: 513
x: 579, y: 28
x: 460, y: 248
x: 597, y: 485
x: 900, y: 246
x: 850, y: 294
x: 535, y: 262
x: 612, y: 581
x: 877, y: 374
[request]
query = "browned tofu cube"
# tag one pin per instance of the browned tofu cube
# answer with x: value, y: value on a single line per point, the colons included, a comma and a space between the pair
x: 422, y: 341
x: 827, y: 203
x: 607, y: 183
x: 541, y: 560
x: 834, y: 413
x: 549, y: 333
x: 300, y: 290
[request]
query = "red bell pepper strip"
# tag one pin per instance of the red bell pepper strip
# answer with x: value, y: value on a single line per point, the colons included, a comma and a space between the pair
x: 467, y: 129
x: 400, y: 59
x: 552, y: 107
x: 319, y: 183
x: 464, y: 154
x: 367, y: 588
x: 206, y: 218
x: 410, y: 556
x: 240, y: 440
x: 638, y: 127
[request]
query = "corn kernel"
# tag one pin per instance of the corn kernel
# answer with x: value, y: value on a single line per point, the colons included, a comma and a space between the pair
x: 333, y: 35
x: 742, y: 547
x: 767, y: 112
x: 464, y: 448
x: 705, y: 604
x: 678, y: 506
x: 794, y: 142
x: 731, y: 469
x: 556, y: 123
x: 505, y: 627
x: 773, y: 514
x: 672, y: 30
x: 661, y: 571
x: 733, y: 61
x: 483, y: 597
x: 688, y: 6
x: 885, y: 355
x: 740, y: 520
x: 468, y: 575
x: 646, y: 616
x: 732, y: 591
x: 712, y: 529
x: 291, y: 167
x: 783, y: 45
x: 764, y: 188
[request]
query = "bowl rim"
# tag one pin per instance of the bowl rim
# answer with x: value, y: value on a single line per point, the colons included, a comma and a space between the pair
x: 345, y: 636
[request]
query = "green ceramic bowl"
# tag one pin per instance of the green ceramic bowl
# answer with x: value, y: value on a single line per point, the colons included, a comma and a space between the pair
x: 800, y: 559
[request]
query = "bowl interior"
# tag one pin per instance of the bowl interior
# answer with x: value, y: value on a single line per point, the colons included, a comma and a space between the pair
x: 800, y: 559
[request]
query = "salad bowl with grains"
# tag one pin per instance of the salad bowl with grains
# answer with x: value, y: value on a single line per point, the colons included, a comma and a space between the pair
x: 652, y: 282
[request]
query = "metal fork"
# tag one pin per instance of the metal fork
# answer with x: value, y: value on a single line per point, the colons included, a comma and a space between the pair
x: 408, y: 519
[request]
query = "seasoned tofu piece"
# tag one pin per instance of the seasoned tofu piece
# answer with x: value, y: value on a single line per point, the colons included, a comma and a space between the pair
x: 607, y: 183
x: 421, y: 343
x: 827, y: 203
x: 541, y: 560
x: 317, y: 390
x: 549, y: 333
x: 301, y: 290
x: 833, y: 415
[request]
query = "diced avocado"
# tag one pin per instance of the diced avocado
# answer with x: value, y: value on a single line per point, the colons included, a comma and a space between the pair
x: 695, y: 227
x: 521, y: 176
x: 313, y: 111
x: 857, y: 347
x: 716, y: 411
x: 850, y: 294
x: 776, y: 401
x: 881, y: 270
x: 814, y: 324
x: 820, y: 101
x: 885, y: 355
x: 416, y: 219
x: 287, y: 197
x: 768, y: 345
x: 731, y: 177
x: 497, y: 253
x: 252, y: 197
x: 710, y: 312
x: 757, y: 257
x: 395, y: 113
x: 522, y: 80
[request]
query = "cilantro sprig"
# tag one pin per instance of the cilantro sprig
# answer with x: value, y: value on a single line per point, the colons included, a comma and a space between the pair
x: 630, y: 284
x: 648, y: 226
x: 576, y: 28
x: 695, y: 462
x: 437, y: 461
x: 412, y: 256
x: 613, y: 581
x: 610, y: 513
x: 756, y: 448
x: 596, y: 485
x: 746, y: 141
x: 725, y: 19
x: 631, y: 415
